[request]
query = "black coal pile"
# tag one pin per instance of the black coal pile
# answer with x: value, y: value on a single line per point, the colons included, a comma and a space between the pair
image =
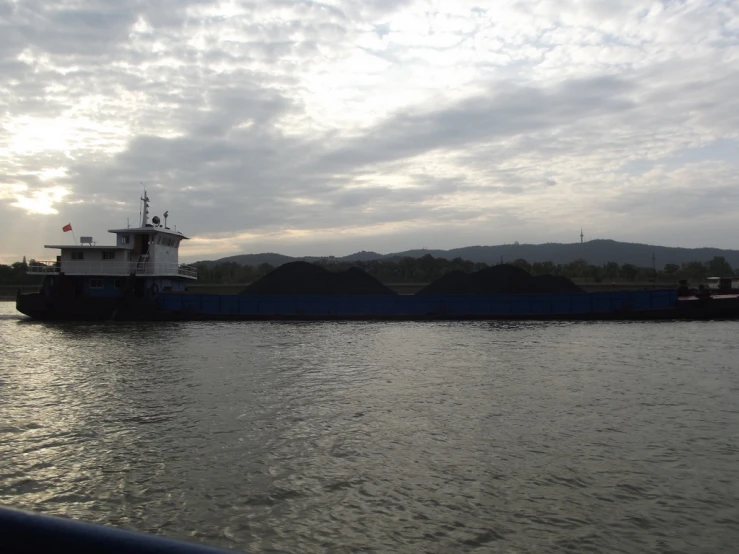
x: 307, y: 278
x: 555, y: 284
x: 500, y: 279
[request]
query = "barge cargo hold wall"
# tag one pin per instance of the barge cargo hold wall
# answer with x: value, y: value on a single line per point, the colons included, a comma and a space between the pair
x: 453, y: 306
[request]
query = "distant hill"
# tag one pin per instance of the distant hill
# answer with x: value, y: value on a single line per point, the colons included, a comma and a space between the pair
x: 595, y: 252
x: 362, y: 256
x: 252, y: 259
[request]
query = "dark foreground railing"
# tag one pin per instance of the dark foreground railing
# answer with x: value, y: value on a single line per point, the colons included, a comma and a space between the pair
x: 24, y: 532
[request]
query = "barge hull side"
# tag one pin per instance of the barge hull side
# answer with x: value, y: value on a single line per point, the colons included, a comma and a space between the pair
x: 623, y: 306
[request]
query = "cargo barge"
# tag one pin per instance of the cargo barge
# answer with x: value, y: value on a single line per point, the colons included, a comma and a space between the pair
x: 140, y: 279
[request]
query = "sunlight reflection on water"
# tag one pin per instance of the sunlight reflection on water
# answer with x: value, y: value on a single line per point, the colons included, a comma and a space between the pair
x: 391, y: 437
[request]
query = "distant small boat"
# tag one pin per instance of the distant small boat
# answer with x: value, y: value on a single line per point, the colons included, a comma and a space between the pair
x: 727, y: 284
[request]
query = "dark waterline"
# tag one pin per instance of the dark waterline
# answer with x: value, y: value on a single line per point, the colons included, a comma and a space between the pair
x: 409, y: 437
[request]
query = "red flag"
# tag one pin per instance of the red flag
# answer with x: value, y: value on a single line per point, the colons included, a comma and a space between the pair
x: 67, y: 227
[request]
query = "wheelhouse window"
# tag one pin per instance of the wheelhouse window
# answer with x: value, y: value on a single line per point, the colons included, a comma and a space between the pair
x: 78, y: 255
x: 124, y: 239
x: 96, y: 283
x: 174, y: 243
x: 108, y: 255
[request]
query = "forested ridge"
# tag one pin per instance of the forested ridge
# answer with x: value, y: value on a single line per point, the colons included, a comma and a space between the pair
x: 428, y: 268
x: 597, y: 252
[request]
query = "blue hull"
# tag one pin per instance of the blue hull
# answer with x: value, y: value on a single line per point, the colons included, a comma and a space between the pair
x: 413, y: 306
x: 625, y: 305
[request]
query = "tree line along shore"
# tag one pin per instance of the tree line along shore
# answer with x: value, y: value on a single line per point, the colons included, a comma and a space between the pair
x: 409, y: 274
x: 428, y: 268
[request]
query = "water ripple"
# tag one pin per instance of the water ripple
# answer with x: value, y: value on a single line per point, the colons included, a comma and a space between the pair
x: 344, y: 437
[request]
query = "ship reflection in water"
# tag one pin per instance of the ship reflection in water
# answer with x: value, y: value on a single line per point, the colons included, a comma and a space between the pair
x: 312, y: 437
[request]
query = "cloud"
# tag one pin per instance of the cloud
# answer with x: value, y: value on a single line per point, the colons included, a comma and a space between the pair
x: 40, y: 201
x: 503, y: 112
x: 271, y: 123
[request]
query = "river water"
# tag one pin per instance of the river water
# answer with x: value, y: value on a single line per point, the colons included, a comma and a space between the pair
x: 379, y: 437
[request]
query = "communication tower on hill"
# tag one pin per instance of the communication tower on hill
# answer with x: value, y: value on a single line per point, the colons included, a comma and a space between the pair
x: 581, y: 236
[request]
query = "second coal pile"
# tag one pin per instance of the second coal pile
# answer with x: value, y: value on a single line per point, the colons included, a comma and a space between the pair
x: 500, y: 279
x: 307, y: 278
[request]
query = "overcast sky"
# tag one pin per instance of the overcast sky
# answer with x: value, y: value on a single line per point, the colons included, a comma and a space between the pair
x: 330, y: 127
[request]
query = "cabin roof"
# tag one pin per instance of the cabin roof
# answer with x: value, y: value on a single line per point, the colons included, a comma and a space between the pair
x: 152, y: 229
x: 84, y: 247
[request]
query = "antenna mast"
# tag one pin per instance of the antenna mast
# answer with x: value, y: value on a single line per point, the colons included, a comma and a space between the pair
x: 145, y: 216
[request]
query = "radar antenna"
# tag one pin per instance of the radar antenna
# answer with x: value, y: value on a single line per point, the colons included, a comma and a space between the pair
x: 145, y: 216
